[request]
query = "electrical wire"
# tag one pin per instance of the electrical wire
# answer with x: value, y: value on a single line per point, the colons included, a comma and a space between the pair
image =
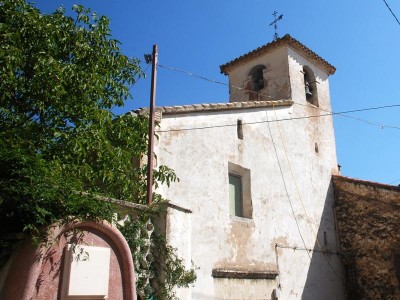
x: 342, y: 114
x: 329, y: 113
x: 307, y: 249
x: 144, y: 72
x: 284, y: 184
x: 326, y: 113
x: 391, y: 11
x: 300, y: 197
x: 394, y: 181
x: 199, y: 76
x: 290, y: 119
x: 293, y: 177
x: 130, y: 87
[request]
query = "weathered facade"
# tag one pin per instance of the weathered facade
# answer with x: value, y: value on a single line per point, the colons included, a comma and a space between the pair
x: 368, y: 217
x: 256, y: 175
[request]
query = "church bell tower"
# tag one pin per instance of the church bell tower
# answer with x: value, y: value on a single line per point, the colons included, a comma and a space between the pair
x: 284, y: 69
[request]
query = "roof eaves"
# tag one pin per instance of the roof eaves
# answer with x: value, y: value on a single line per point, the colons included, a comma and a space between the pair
x: 286, y: 40
x: 223, y: 106
x: 210, y: 107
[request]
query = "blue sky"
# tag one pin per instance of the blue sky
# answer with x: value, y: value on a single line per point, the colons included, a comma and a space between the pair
x: 360, y: 38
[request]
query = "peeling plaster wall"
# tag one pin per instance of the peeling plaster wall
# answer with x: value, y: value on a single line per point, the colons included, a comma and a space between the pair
x: 178, y: 232
x: 368, y: 216
x: 276, y: 75
x: 199, y: 147
x: 296, y: 63
x: 241, y: 289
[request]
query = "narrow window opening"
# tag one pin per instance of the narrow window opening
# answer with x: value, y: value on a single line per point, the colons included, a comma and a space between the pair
x: 310, y: 86
x: 240, y: 204
x: 316, y: 148
x: 325, y: 239
x: 240, y: 129
x: 257, y: 78
x: 235, y: 195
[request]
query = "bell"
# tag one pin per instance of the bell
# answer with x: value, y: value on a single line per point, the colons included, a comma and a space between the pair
x: 308, y: 92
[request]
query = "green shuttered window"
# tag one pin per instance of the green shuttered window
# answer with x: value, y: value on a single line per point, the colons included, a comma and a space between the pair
x: 235, y: 195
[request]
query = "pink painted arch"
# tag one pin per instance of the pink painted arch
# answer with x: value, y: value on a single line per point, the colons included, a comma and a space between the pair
x: 36, y: 272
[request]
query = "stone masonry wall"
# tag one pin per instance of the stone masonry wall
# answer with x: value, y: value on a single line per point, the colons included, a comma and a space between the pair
x: 368, y: 217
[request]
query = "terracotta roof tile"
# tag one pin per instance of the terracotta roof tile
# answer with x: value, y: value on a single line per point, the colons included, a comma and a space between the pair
x: 286, y: 40
x: 180, y: 109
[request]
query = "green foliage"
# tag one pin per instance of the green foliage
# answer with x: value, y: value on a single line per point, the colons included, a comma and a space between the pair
x: 167, y: 269
x: 60, y: 145
x: 173, y: 268
x: 34, y: 193
x: 59, y: 78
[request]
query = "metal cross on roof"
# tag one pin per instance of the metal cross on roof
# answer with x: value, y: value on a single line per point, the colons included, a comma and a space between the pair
x: 274, y: 23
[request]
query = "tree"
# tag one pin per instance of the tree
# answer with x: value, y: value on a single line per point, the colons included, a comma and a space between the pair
x: 61, y: 147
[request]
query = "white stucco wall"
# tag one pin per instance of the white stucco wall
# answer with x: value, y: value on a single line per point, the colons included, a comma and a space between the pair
x: 290, y: 182
x: 178, y: 228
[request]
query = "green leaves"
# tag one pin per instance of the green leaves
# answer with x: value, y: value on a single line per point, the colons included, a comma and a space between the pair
x: 58, y: 71
x: 60, y: 145
x: 59, y: 78
x: 167, y: 276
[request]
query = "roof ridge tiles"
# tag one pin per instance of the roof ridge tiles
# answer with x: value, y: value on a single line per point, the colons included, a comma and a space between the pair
x: 285, y: 40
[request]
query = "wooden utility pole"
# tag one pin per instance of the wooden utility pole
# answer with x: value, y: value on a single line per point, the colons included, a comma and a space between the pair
x: 151, y: 125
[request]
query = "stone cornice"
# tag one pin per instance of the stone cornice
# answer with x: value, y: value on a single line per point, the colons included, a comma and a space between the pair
x: 244, y: 274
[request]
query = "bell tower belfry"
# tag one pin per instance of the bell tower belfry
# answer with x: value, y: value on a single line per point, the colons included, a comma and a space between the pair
x: 283, y: 69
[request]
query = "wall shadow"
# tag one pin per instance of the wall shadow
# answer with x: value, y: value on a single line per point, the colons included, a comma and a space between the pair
x: 325, y: 276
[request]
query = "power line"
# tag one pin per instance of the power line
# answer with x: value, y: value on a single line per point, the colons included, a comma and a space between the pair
x: 274, y: 146
x: 342, y: 114
x: 286, y: 189
x: 398, y: 22
x: 307, y: 249
x: 200, y: 77
x: 296, y: 103
x: 294, y: 178
x: 299, y: 194
x: 144, y: 76
x: 394, y: 181
x: 292, y: 119
x: 130, y: 87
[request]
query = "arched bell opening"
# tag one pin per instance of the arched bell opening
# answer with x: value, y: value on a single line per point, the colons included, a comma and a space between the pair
x: 310, y: 86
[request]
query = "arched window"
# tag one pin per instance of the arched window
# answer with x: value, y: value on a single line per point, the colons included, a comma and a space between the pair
x: 257, y: 78
x: 310, y: 86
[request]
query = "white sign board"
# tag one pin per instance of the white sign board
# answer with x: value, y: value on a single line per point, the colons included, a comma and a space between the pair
x: 86, y: 272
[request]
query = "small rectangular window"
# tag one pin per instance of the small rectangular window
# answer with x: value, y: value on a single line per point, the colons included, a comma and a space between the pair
x: 239, y: 191
x: 235, y: 195
x: 239, y: 129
